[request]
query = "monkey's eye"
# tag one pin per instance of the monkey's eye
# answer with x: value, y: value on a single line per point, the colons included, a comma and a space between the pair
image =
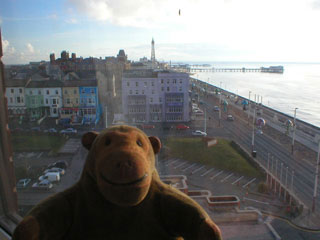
x: 108, y: 141
x: 139, y: 143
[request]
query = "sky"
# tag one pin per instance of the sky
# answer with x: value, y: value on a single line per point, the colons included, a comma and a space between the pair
x: 205, y: 30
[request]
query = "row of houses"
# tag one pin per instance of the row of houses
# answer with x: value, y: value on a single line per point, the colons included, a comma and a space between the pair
x: 38, y: 97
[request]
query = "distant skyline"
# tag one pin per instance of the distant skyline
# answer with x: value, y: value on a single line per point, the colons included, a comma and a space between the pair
x: 205, y: 30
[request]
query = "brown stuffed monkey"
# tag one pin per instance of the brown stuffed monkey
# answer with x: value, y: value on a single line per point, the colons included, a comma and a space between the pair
x: 119, y: 196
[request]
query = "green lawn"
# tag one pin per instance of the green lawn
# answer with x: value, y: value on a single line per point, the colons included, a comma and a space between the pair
x: 221, y: 156
x: 23, y: 143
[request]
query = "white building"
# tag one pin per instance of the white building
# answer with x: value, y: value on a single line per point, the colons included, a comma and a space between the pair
x: 155, y: 96
x: 15, y: 93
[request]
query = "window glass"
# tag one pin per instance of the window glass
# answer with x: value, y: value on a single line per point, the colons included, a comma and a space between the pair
x: 230, y: 87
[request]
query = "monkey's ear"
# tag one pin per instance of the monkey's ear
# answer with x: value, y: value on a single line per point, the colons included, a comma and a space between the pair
x: 88, y: 138
x: 156, y: 144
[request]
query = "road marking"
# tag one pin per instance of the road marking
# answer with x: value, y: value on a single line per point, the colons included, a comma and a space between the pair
x: 197, y: 170
x: 189, y: 167
x: 173, y: 161
x: 257, y: 201
x: 203, y: 174
x: 180, y: 165
x: 226, y: 177
x: 216, y: 175
x: 237, y: 180
x: 251, y: 181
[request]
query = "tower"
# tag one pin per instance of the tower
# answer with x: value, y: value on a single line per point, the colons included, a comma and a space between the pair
x: 153, y: 55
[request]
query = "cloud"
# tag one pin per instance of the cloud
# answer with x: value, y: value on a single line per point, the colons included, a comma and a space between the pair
x: 72, y: 21
x: 30, y: 48
x: 7, y: 49
x: 52, y: 16
x: 315, y: 4
x: 137, y: 13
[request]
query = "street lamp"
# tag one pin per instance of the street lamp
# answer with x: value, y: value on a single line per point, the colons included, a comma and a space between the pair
x: 205, y: 120
x: 249, y: 107
x: 292, y: 176
x: 294, y: 129
x: 220, y: 104
x: 280, y: 180
x: 253, y: 119
x: 316, y: 180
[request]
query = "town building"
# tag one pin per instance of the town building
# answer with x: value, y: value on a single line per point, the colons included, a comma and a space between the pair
x: 90, y: 109
x: 155, y: 96
x: 15, y: 93
x: 71, y: 101
x: 43, y: 97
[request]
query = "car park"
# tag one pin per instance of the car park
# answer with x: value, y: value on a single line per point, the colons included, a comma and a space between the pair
x: 182, y: 127
x: 69, y: 131
x: 22, y: 183
x: 43, y: 185
x: 230, y: 117
x: 199, y: 133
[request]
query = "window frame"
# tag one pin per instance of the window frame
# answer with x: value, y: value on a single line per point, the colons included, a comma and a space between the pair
x: 8, y: 191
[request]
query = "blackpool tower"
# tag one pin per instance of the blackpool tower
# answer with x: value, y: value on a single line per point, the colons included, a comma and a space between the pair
x: 153, y: 55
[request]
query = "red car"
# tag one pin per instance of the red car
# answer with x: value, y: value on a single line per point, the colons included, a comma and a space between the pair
x: 182, y: 127
x: 144, y: 126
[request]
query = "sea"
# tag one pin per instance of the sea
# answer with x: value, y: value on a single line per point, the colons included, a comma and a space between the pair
x: 297, y: 87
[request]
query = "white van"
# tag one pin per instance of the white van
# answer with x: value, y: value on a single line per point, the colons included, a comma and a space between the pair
x: 51, y: 176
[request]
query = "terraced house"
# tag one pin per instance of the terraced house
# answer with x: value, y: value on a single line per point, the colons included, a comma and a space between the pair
x: 71, y: 101
x: 89, y: 108
x: 43, y: 98
x: 15, y: 92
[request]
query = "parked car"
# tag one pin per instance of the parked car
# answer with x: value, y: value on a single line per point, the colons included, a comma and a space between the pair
x: 22, y: 183
x: 199, y: 112
x: 44, y: 184
x: 55, y: 169
x: 182, y: 127
x: 216, y: 109
x: 199, y: 133
x: 59, y: 164
x: 35, y: 129
x: 230, y: 117
x: 69, y: 131
x: 50, y: 176
x: 146, y: 126
x: 50, y: 130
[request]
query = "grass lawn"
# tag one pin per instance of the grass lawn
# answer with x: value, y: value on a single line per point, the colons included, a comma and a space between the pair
x: 22, y: 143
x: 222, y: 155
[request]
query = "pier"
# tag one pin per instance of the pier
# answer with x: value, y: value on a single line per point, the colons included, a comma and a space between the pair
x: 204, y: 68
x: 192, y: 70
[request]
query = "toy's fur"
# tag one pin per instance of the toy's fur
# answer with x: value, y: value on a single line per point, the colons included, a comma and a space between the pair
x: 119, y: 196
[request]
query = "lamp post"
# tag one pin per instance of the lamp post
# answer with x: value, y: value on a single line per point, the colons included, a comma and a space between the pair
x: 292, y: 176
x: 253, y: 119
x: 249, y: 107
x: 285, y: 196
x: 268, y: 169
x: 220, y: 104
x: 205, y: 120
x: 280, y: 180
x: 316, y: 181
x: 294, y: 129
